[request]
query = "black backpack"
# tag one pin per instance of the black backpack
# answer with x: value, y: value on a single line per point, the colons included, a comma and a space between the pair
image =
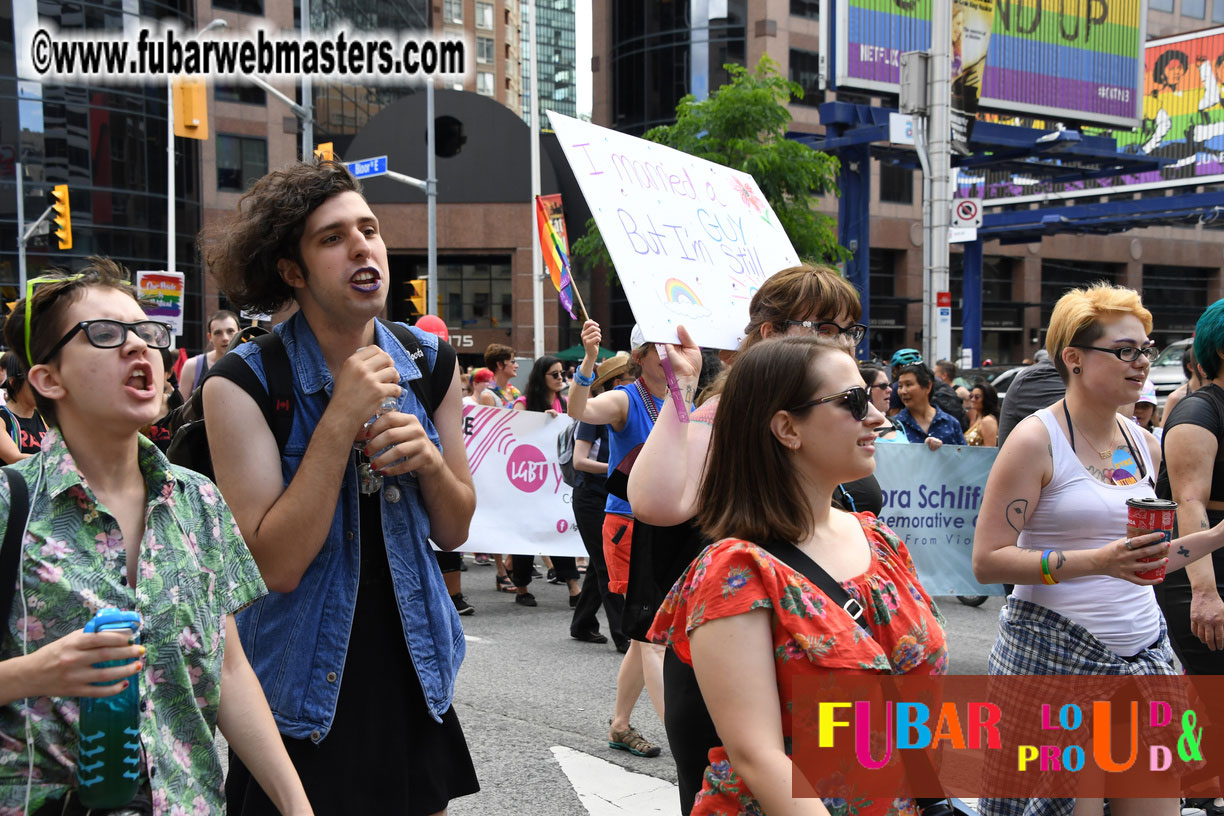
x: 189, y: 445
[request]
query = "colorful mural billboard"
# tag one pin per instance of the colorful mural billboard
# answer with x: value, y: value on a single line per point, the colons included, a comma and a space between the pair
x: 1071, y: 59
x: 1183, y: 121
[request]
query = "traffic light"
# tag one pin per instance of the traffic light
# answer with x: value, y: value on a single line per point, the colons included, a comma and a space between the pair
x: 418, y: 299
x: 449, y: 135
x: 190, y: 107
x: 325, y: 152
x: 63, y: 215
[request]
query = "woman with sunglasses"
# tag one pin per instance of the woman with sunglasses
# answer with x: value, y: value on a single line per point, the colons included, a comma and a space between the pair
x: 544, y: 386
x: 793, y: 423
x: 113, y: 524
x: 24, y: 427
x: 880, y: 389
x: 663, y: 486
x: 984, y: 416
x: 1053, y: 522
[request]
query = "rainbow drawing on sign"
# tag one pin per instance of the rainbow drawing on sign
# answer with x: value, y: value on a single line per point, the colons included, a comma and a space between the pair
x: 680, y: 298
x: 680, y: 292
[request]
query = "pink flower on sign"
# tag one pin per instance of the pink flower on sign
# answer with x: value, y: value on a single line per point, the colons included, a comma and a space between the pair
x: 188, y: 640
x: 54, y: 548
x: 109, y: 543
x: 49, y: 573
x: 747, y: 195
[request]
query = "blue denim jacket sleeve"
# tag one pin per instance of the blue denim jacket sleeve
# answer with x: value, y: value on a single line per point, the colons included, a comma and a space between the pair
x: 297, y: 641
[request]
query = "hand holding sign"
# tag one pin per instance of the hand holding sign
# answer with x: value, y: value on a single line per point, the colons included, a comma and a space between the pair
x: 591, y: 337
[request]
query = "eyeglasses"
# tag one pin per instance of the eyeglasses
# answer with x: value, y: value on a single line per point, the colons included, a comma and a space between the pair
x: 881, y: 386
x: 1127, y: 354
x: 556, y: 375
x: 975, y: 397
x: 827, y: 328
x: 29, y: 297
x: 107, y: 334
x: 853, y: 400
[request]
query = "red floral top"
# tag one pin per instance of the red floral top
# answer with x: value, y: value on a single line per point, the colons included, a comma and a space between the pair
x: 811, y: 635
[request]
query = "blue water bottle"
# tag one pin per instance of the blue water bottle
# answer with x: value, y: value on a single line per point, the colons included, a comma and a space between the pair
x: 108, y: 767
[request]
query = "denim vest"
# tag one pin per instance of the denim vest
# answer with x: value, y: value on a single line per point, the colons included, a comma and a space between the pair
x: 297, y: 641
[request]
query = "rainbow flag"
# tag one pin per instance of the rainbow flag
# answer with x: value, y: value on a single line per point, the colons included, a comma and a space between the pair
x: 555, y: 257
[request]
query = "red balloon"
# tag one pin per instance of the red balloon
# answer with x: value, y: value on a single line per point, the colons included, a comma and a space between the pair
x: 434, y: 325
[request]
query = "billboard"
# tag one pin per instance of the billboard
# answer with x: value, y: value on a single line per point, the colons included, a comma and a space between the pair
x: 1069, y: 59
x: 1182, y: 121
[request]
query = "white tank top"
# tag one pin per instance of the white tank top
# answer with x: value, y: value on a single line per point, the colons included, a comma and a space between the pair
x: 1079, y: 512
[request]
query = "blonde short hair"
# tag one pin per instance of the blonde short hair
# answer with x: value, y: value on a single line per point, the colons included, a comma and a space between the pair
x: 1079, y: 314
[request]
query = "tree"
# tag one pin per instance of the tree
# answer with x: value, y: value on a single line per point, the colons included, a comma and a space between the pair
x: 743, y: 125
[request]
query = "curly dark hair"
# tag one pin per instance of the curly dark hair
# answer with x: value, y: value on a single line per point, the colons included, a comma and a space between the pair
x: 51, y: 299
x: 242, y: 252
x: 990, y: 398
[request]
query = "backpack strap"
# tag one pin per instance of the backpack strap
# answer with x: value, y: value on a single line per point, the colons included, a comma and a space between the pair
x: 14, y: 532
x: 276, y: 400
x: 803, y: 564
x: 431, y: 389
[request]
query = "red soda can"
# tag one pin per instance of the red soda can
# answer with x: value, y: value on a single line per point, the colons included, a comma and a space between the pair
x: 1145, y: 516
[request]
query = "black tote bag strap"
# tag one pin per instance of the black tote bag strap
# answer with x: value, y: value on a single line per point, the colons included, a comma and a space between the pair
x: 802, y: 563
x: 10, y: 550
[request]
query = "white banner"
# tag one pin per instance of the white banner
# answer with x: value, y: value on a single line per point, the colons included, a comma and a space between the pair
x: 522, y: 504
x: 692, y: 241
x: 932, y: 500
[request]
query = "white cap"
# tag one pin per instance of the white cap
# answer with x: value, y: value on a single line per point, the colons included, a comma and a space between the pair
x: 1148, y: 394
x: 637, y: 338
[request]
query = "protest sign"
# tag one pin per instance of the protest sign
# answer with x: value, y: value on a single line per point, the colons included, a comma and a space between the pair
x: 163, y: 293
x: 692, y: 241
x: 932, y: 500
x: 522, y: 505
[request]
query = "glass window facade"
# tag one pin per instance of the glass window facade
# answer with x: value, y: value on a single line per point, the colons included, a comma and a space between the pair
x: 805, y: 8
x: 1176, y: 296
x: 484, y: 49
x: 241, y: 161
x: 556, y: 58
x: 484, y: 16
x: 805, y: 72
x: 245, y: 6
x: 108, y: 143
x: 473, y: 291
x: 1196, y: 9
x: 1160, y: 5
x: 452, y: 11
x: 651, y: 58
x: 484, y: 83
x: 896, y: 184
x: 1217, y: 11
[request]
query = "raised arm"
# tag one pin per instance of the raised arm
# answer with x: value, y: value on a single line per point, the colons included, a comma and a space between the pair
x: 1013, y: 489
x: 609, y: 408
x: 285, y: 527
x: 664, y: 482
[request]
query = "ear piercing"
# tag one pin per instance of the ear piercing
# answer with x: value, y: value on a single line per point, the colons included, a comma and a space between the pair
x: 1075, y: 370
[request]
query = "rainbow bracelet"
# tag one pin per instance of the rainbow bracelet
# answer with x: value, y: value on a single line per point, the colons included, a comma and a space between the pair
x: 1046, y: 576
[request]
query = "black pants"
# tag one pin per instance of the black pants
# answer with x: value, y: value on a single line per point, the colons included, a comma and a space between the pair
x: 449, y: 561
x: 520, y: 568
x: 589, y: 514
x: 690, y: 731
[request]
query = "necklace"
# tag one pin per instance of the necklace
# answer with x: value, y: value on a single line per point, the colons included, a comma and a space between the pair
x: 1104, y: 454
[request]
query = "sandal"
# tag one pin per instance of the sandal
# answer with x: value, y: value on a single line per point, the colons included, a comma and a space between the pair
x: 504, y: 584
x: 633, y: 742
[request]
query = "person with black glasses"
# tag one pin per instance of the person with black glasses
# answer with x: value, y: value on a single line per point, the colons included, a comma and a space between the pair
x: 794, y: 422
x: 110, y: 523
x: 1054, y: 517
x: 544, y: 386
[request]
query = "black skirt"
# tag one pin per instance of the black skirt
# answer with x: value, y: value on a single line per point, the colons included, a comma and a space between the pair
x: 384, y: 753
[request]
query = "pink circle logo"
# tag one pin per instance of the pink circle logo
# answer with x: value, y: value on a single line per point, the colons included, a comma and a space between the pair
x: 527, y: 468
x: 562, y: 525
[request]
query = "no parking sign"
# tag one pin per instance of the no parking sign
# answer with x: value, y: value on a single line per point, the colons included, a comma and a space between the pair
x: 967, y: 212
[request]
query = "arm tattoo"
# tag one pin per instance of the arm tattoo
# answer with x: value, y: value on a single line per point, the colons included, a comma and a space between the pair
x: 1203, y: 525
x: 1057, y: 559
x: 1183, y: 552
x: 1016, y: 512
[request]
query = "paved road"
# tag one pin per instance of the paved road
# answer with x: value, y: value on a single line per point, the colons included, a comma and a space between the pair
x: 535, y: 706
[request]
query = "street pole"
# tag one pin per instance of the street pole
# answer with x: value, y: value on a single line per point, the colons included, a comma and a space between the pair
x: 431, y: 198
x: 307, y: 90
x: 537, y: 279
x: 21, y: 244
x: 938, y: 342
x: 171, y: 226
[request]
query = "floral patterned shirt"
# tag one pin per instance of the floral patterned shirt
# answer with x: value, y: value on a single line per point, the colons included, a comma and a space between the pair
x: 194, y: 570
x: 811, y: 635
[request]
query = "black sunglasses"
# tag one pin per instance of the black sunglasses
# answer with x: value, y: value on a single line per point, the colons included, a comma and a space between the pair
x: 853, y: 400
x: 556, y: 375
x: 107, y: 334
x: 827, y: 328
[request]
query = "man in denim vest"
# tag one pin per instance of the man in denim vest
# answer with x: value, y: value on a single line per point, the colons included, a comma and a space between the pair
x: 358, y: 644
